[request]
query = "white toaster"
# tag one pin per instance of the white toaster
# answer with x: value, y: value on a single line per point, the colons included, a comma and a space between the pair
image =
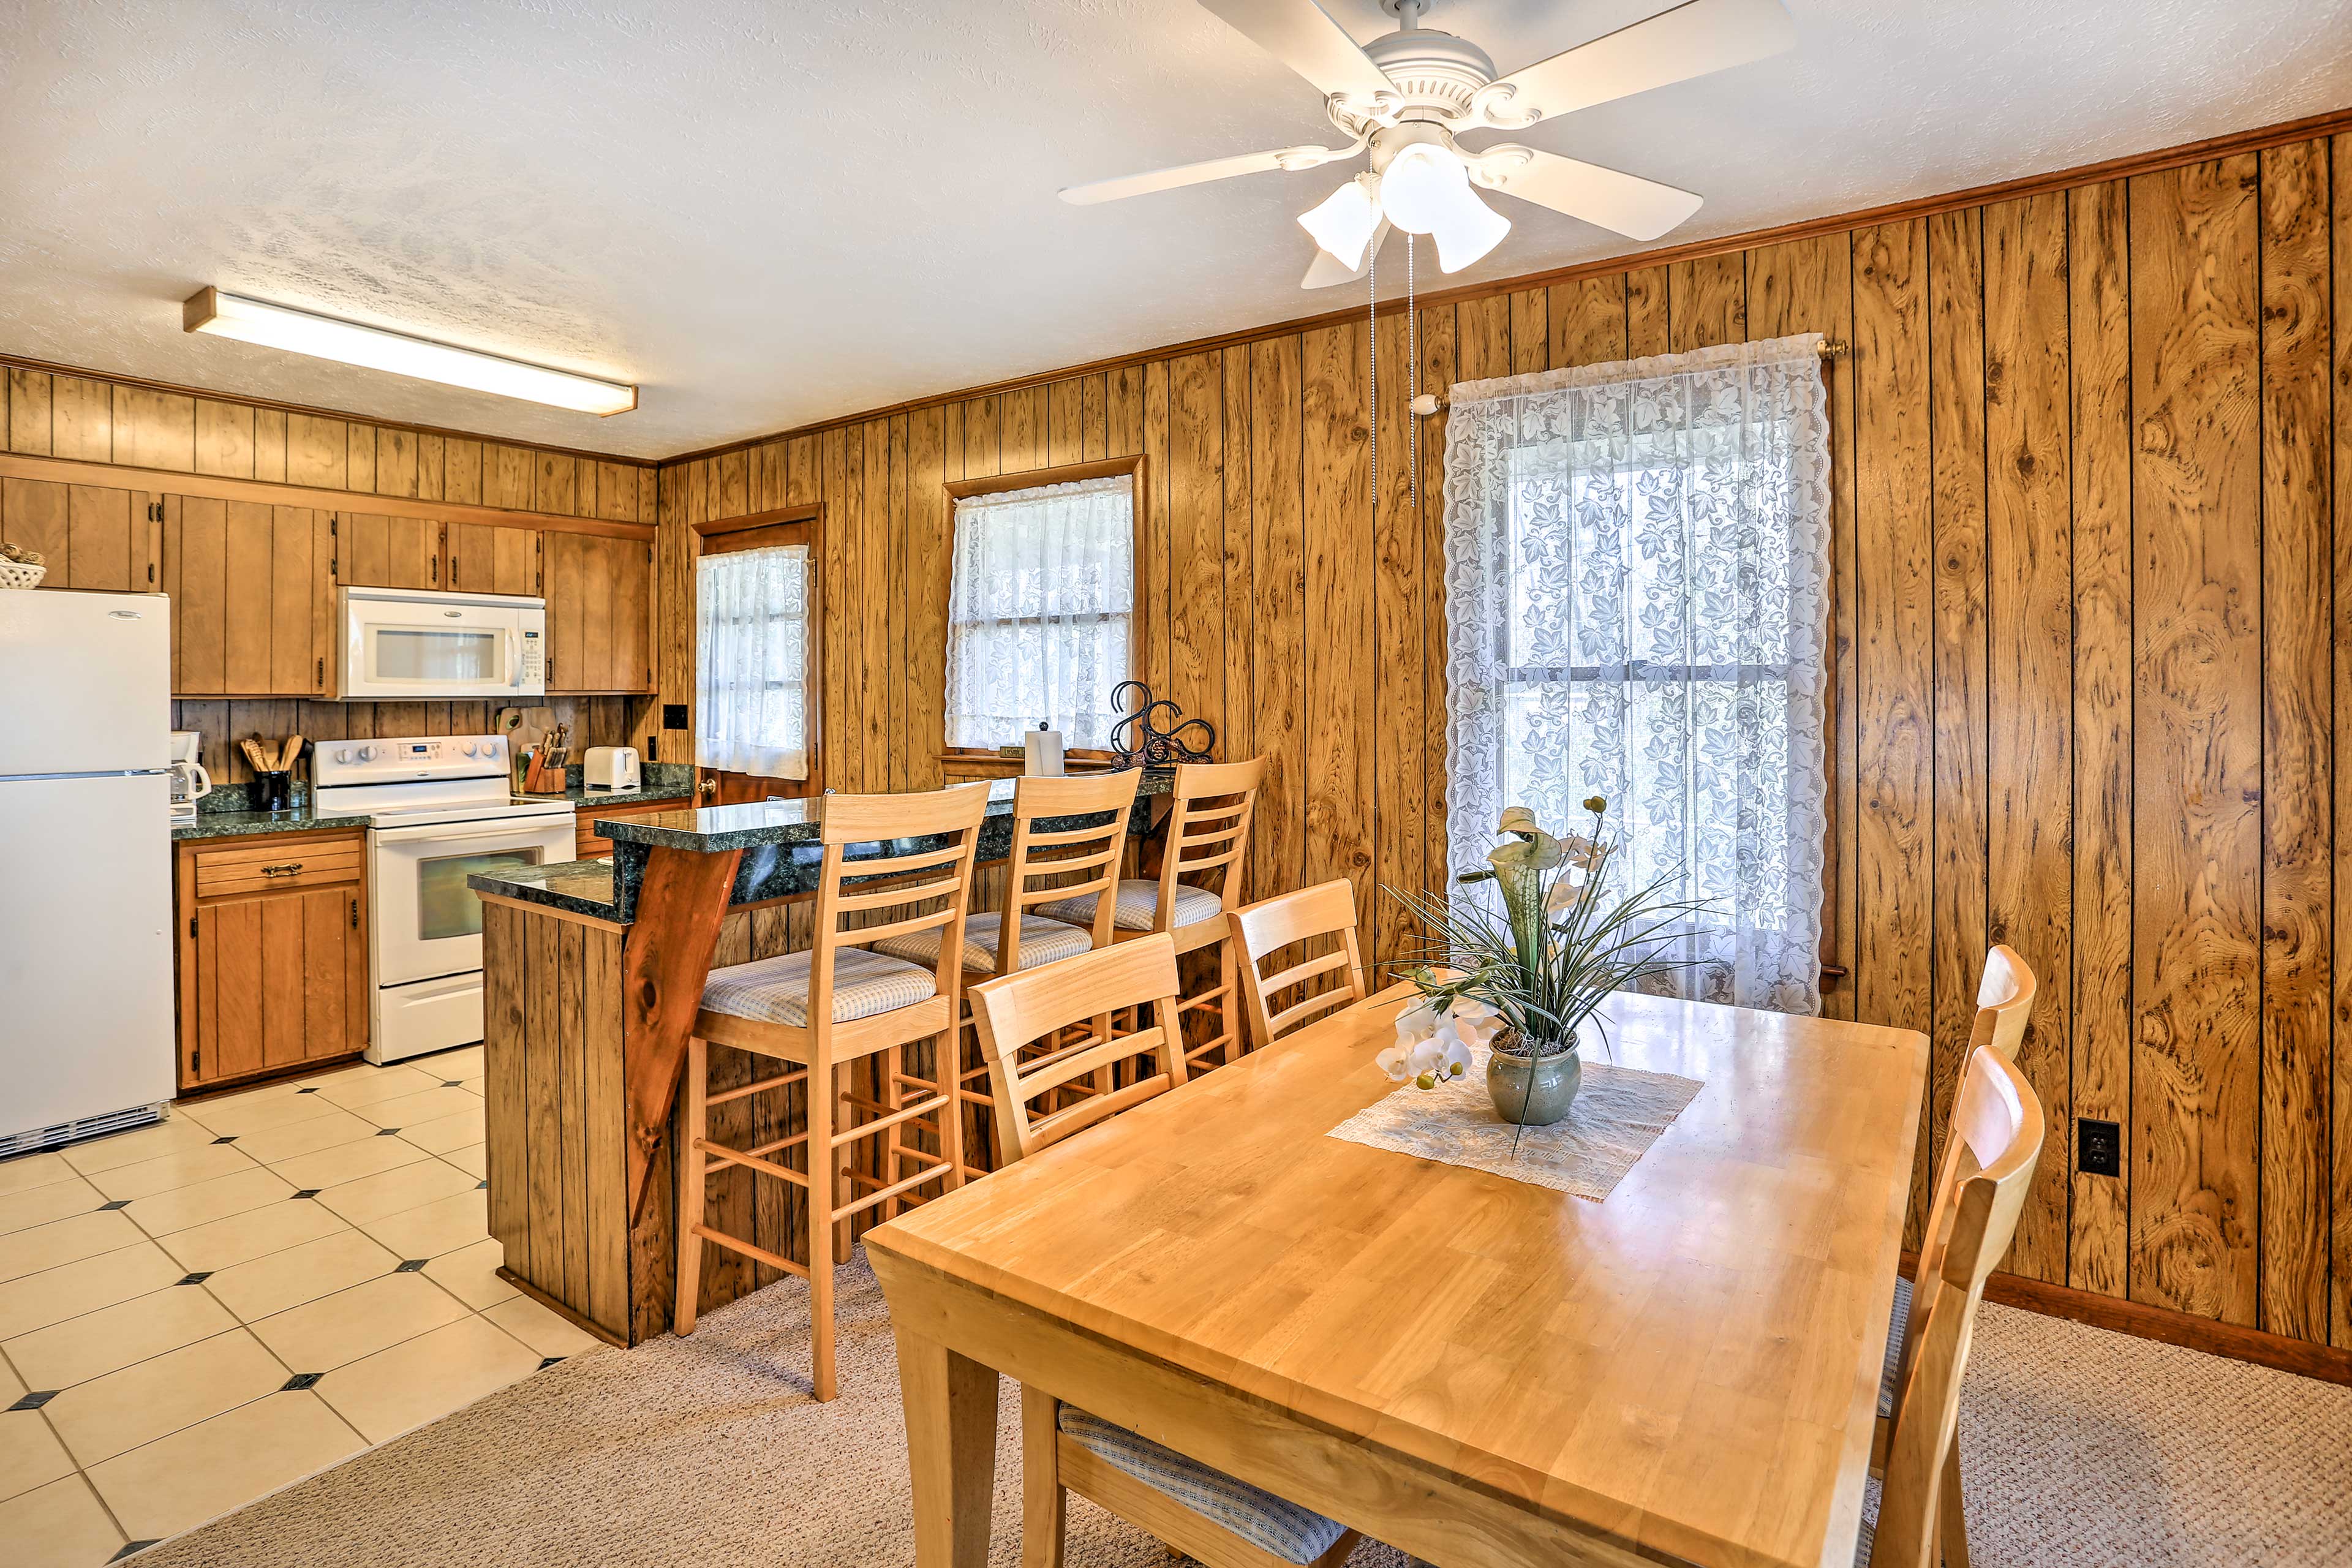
x: 610, y: 767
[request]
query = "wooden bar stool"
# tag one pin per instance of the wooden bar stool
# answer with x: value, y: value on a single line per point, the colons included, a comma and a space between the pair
x: 1208, y: 830
x: 829, y: 1005
x: 1219, y: 1518
x: 1045, y: 866
x: 1267, y: 926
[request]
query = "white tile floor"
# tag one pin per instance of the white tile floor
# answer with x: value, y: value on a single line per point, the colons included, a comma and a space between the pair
x: 199, y: 1312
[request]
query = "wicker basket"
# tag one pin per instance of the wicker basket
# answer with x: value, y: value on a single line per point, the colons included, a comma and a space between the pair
x: 14, y: 574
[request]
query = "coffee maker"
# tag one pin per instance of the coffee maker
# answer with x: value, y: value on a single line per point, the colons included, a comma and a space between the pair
x: 190, y: 782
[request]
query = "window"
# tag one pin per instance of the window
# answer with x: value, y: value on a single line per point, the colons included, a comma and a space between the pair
x: 751, y: 661
x: 1637, y: 608
x: 1041, y: 611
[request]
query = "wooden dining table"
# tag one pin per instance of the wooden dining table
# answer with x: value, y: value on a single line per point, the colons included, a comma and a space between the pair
x: 1477, y: 1370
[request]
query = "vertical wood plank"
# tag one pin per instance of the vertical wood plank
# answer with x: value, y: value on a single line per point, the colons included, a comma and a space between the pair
x: 297, y: 583
x: 1530, y: 331
x: 1439, y: 363
x: 270, y: 444
x: 223, y: 439
x: 359, y: 460
x: 1339, y: 648
x: 1393, y: 675
x: 2340, y: 1267
x: 82, y: 414
x: 2099, y: 342
x: 396, y: 462
x: 1706, y: 302
x: 154, y: 429
x: 1646, y: 290
x: 36, y: 515
x: 1587, y: 319
x: 2031, y: 594
x: 317, y: 451
x: 461, y: 474
x: 30, y: 403
x: 1151, y: 571
x: 1277, y: 566
x: 2197, y: 503
x: 2297, y: 741
x: 555, y: 482
x: 99, y: 548
x: 1194, y: 674
x: 1238, y: 729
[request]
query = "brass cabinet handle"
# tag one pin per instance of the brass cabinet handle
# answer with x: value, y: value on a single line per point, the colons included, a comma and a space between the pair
x: 708, y: 788
x: 285, y: 871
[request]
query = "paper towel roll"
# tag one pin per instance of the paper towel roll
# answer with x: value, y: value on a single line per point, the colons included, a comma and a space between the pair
x: 1041, y: 753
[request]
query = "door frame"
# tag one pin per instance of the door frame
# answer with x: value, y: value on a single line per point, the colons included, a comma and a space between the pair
x: 803, y: 525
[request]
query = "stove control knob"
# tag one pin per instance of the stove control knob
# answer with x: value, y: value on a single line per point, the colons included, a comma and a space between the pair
x: 367, y: 753
x: 343, y: 755
x: 468, y: 748
x: 490, y: 747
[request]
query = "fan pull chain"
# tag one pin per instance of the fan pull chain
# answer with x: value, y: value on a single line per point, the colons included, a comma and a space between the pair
x: 1372, y: 325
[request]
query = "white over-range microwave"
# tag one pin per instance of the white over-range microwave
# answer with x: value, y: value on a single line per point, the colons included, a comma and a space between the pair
x: 413, y: 645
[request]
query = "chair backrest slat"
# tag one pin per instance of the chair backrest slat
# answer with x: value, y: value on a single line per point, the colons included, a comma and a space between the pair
x: 1270, y: 925
x: 1997, y: 1132
x: 2004, y: 1003
x: 1014, y: 1012
x: 893, y: 881
x: 1032, y: 879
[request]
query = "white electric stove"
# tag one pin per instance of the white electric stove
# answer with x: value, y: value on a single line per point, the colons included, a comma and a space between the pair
x: 439, y: 807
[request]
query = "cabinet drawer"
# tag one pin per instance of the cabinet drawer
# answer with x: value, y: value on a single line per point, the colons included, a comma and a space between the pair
x: 594, y: 848
x: 259, y: 867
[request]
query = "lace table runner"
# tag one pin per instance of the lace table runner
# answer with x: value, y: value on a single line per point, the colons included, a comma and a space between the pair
x: 1618, y: 1115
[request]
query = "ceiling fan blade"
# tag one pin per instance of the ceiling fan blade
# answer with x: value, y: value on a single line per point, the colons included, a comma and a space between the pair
x: 1692, y: 40
x: 1286, y: 158
x: 1301, y: 35
x: 1624, y: 204
x: 1324, y: 271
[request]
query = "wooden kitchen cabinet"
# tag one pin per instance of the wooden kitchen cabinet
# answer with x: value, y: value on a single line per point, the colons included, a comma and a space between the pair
x: 591, y: 845
x: 252, y: 602
x: 481, y: 558
x: 272, y: 954
x: 599, y: 612
x: 89, y: 536
x: 380, y: 551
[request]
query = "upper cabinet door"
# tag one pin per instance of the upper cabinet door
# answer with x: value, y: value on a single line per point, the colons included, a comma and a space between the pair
x: 599, y: 612
x: 251, y: 604
x: 485, y: 559
x: 89, y: 536
x: 380, y: 551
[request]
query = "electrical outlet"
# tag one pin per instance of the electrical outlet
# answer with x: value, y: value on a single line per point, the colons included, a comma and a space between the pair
x: 674, y: 716
x: 2098, y: 1147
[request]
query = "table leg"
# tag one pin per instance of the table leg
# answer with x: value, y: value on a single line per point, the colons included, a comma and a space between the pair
x: 950, y: 1407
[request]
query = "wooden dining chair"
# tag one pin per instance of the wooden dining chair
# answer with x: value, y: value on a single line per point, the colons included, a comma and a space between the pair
x: 1987, y: 1170
x: 1193, y: 1507
x: 1052, y: 861
x: 1265, y: 928
x: 2005, y: 995
x: 1209, y: 818
x: 829, y: 1005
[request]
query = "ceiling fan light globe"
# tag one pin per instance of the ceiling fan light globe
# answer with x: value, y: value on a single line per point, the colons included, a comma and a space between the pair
x: 1342, y: 222
x: 1421, y: 186
x: 1470, y: 231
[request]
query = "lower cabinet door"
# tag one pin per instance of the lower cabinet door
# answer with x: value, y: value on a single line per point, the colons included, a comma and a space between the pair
x: 281, y: 979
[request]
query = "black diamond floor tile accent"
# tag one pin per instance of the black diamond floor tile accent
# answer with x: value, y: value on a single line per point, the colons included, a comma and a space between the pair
x: 410, y: 1266
x: 452, y: 1083
x: 193, y: 1279
x: 308, y: 1193
x: 482, y: 1187
x: 302, y: 1380
x: 547, y: 1362
x: 130, y: 1547
x: 117, y: 1203
x: 35, y: 1400
x: 386, y: 1131
x: 230, y: 1139
x: 311, y: 1089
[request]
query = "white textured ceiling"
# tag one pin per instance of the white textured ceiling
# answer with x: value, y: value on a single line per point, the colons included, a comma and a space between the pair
x: 770, y: 213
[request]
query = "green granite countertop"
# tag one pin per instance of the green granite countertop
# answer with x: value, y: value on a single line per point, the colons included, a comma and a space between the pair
x: 664, y: 781
x: 238, y: 823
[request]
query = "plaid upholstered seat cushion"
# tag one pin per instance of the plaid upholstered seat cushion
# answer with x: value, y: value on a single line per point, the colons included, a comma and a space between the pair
x: 1291, y: 1532
x: 1043, y: 942
x: 775, y: 990
x: 1137, y: 902
x: 1898, y: 1326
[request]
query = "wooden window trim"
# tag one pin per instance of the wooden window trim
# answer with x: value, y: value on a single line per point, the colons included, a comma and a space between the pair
x: 802, y: 525
x: 1138, y: 645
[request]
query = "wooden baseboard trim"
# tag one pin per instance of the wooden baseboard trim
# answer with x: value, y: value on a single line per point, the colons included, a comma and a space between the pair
x: 2257, y: 1347
x: 585, y: 1325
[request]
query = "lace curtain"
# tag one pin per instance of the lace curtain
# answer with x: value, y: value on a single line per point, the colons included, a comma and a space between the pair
x: 1039, y: 610
x: 1637, y: 561
x: 751, y: 661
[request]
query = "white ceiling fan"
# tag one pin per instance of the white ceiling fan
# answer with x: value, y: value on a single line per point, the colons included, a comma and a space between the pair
x: 1406, y: 96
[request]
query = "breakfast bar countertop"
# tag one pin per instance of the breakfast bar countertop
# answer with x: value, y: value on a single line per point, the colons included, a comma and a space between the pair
x: 780, y: 842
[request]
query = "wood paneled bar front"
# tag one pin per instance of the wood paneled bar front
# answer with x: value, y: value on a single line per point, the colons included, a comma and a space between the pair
x: 592, y: 971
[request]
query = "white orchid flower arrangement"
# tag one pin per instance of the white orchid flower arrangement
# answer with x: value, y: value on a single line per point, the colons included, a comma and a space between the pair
x: 1523, y: 981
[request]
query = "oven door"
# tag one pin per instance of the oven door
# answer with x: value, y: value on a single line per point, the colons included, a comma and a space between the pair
x: 427, y: 923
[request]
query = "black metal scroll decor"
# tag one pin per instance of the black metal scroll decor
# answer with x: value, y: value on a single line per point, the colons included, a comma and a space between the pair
x: 1141, y: 741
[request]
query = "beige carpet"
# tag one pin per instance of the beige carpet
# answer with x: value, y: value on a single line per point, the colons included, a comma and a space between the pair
x: 2081, y: 1449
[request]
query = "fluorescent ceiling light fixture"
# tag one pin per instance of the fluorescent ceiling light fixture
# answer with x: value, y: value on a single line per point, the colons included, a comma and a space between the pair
x: 1343, y: 224
x: 280, y: 327
x: 1426, y: 189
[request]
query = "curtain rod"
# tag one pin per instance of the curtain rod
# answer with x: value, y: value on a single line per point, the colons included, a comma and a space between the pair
x: 1828, y: 348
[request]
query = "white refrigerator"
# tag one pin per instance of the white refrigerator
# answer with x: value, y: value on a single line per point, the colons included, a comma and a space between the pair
x: 85, y: 1033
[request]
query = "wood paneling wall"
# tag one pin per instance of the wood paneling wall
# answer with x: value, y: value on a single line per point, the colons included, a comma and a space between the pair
x: 2091, y: 640
x: 91, y: 419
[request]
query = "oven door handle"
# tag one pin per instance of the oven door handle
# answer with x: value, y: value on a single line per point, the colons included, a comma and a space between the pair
x: 439, y: 832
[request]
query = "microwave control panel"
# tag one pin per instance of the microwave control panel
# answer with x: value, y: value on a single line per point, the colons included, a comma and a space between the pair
x: 535, y: 660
